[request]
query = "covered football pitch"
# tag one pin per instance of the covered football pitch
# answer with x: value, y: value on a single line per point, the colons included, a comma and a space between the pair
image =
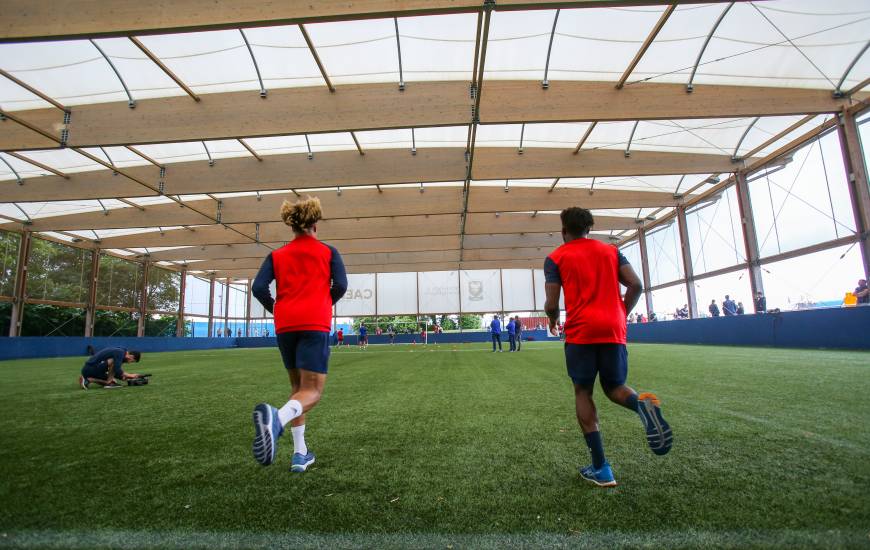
x: 147, y: 148
x: 439, y: 447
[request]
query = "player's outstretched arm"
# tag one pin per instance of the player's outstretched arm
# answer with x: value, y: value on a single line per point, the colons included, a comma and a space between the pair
x: 338, y: 274
x: 551, y: 305
x: 634, y: 287
x: 260, y: 287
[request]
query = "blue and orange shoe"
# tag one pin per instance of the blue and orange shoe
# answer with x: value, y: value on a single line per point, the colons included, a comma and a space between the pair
x: 658, y: 433
x: 267, y: 430
x: 301, y: 462
x: 603, y: 477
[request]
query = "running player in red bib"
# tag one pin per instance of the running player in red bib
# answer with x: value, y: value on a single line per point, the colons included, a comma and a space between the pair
x: 590, y: 273
x: 310, y: 279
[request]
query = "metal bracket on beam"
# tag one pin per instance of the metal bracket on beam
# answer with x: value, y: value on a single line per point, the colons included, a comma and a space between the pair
x: 630, y: 138
x: 734, y: 157
x: 421, y: 187
x: 161, y: 184
x: 592, y: 187
x: 27, y: 219
x: 130, y: 101
x: 208, y: 153
x: 507, y: 186
x: 263, y: 91
x: 17, y: 177
x: 111, y: 163
x: 399, y: 49
x: 689, y: 86
x: 103, y: 206
x: 545, y: 84
x: 308, y: 146
x: 257, y: 232
x: 220, y: 205
x: 522, y: 134
x: 838, y: 92
x: 338, y: 191
x: 413, y: 142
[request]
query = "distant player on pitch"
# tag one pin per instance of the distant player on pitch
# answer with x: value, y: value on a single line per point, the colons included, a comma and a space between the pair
x: 363, y: 336
x: 310, y: 279
x: 590, y: 273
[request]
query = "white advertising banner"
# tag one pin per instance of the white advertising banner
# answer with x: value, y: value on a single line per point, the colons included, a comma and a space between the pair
x: 439, y: 292
x: 540, y: 293
x: 397, y: 293
x: 480, y: 290
x: 518, y: 291
x: 360, y: 296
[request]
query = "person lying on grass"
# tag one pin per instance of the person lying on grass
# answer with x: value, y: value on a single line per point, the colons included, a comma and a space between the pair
x: 104, y: 367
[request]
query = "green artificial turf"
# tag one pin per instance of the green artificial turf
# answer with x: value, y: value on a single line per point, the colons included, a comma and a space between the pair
x: 439, y: 447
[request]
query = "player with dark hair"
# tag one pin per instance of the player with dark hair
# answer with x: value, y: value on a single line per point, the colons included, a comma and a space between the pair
x: 495, y: 329
x: 518, y: 327
x: 104, y: 367
x: 363, y: 340
x: 310, y: 279
x: 590, y: 273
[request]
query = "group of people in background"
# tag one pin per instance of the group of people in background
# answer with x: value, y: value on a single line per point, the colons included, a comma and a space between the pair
x: 729, y: 307
x: 515, y: 333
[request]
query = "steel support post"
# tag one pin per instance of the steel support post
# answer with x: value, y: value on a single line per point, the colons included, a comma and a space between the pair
x: 248, y: 308
x: 179, y: 324
x: 859, y: 191
x: 20, y: 291
x: 750, y: 236
x: 91, y: 311
x: 211, y: 306
x: 644, y: 260
x: 686, y: 250
x: 227, y: 308
x: 143, y: 299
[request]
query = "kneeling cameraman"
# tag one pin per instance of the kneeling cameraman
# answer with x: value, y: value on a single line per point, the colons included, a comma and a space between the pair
x: 105, y: 366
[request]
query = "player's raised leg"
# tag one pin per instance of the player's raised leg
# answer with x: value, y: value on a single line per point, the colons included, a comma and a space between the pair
x: 312, y: 278
x: 613, y: 367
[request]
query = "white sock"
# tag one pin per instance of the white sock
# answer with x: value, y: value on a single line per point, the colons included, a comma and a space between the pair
x: 289, y: 411
x: 299, y: 439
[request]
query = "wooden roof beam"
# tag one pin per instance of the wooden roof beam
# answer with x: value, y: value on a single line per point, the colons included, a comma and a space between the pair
x: 348, y: 169
x: 380, y: 106
x: 30, y: 20
x: 353, y: 205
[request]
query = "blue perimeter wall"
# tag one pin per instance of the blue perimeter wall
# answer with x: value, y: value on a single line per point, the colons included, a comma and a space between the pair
x: 845, y: 328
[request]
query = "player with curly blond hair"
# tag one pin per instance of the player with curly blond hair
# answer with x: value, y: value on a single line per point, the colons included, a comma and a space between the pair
x: 310, y: 278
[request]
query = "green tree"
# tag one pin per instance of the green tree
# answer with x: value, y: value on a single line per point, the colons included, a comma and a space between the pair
x: 470, y: 321
x: 8, y: 261
x: 58, y: 272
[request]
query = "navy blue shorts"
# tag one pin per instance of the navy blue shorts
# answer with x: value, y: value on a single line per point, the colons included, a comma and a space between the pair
x: 586, y: 361
x: 306, y: 349
x: 100, y: 372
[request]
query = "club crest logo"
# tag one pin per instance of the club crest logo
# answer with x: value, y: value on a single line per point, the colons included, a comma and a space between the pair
x: 475, y: 291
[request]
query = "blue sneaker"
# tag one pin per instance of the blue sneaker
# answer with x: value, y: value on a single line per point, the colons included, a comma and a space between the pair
x: 658, y: 432
x: 267, y: 430
x: 301, y: 462
x: 603, y: 477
